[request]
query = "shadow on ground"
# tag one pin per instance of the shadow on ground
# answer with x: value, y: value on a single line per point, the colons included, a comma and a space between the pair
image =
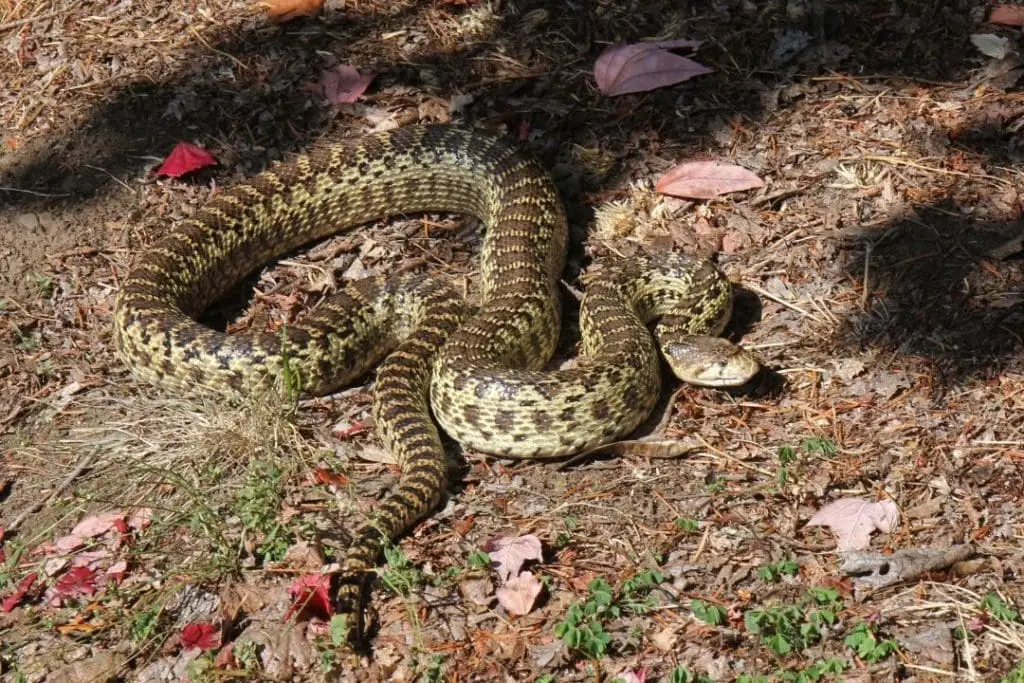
x: 935, y: 293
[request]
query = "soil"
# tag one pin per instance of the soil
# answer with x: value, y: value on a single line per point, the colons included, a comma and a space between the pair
x: 879, y: 280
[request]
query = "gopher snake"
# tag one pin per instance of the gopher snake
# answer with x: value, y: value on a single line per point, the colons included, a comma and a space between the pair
x: 485, y: 384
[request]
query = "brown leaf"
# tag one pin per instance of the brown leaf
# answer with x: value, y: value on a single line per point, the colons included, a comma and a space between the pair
x: 518, y: 595
x: 639, y: 67
x: 706, y: 180
x: 509, y: 554
x: 281, y: 11
x: 341, y: 84
x: 1007, y: 15
x: 853, y: 520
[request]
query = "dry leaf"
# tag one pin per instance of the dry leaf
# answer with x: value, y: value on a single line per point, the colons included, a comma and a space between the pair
x: 1007, y: 15
x: 639, y: 67
x: 508, y: 554
x: 518, y: 595
x: 281, y: 11
x: 185, y: 158
x: 341, y: 84
x: 853, y: 520
x: 706, y: 180
x: 632, y: 676
x: 991, y: 45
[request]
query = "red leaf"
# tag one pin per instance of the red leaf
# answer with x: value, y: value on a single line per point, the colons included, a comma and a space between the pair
x: 1007, y: 15
x: 78, y: 581
x: 329, y: 478
x: 706, y: 180
x: 185, y: 158
x: 341, y: 85
x: 639, y: 67
x: 310, y: 597
x: 346, y: 430
x: 15, y: 598
x: 201, y: 635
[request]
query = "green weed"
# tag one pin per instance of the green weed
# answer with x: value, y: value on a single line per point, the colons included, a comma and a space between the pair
x: 863, y: 640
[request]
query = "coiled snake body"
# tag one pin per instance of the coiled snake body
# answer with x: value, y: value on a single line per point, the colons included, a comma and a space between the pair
x: 480, y: 375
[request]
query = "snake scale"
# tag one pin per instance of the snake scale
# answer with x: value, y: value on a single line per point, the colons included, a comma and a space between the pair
x: 479, y: 375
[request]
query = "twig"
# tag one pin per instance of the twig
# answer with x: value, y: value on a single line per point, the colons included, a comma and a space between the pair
x: 765, y: 293
x: 32, y: 192
x: 83, y: 464
x: 867, y: 277
x: 28, y: 20
x: 202, y: 40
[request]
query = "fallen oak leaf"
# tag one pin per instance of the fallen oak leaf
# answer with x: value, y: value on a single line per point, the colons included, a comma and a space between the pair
x: 185, y: 158
x: 77, y: 581
x: 518, y: 595
x: 329, y: 478
x: 632, y: 675
x: 706, y: 180
x: 342, y: 84
x: 201, y: 635
x: 639, y: 67
x: 97, y: 525
x: 280, y: 11
x: 310, y: 597
x: 509, y: 553
x: 1007, y: 15
x: 853, y: 520
x: 22, y: 589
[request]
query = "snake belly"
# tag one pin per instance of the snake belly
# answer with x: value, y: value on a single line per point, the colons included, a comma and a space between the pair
x: 480, y: 376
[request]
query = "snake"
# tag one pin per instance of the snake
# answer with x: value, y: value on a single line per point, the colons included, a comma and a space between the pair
x: 477, y: 375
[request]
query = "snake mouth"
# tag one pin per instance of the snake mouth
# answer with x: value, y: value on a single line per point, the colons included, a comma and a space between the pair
x: 714, y: 363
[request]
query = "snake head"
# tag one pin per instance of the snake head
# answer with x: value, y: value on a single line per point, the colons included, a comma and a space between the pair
x: 709, y: 361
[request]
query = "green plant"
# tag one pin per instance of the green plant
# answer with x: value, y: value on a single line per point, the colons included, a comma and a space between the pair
x: 247, y: 653
x: 708, y: 613
x: 545, y: 678
x: 434, y: 673
x: 787, y: 456
x: 636, y: 592
x: 863, y: 640
x: 786, y: 628
x: 144, y: 623
x: 681, y: 674
x: 291, y: 379
x: 478, y: 559
x: 26, y: 341
x: 399, y: 576
x: 1015, y: 675
x: 582, y: 629
x: 201, y: 669
x: 257, y: 504
x: 715, y: 485
x: 819, y: 444
x: 43, y: 284
x: 823, y: 670
x: 994, y: 605
x: 688, y: 526
x: 772, y: 572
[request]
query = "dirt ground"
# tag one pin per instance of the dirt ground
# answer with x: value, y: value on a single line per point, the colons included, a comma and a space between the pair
x: 880, y: 282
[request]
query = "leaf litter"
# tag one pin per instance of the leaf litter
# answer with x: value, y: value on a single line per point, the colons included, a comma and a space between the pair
x: 950, y: 431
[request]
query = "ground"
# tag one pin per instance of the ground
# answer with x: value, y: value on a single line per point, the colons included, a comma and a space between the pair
x: 879, y: 280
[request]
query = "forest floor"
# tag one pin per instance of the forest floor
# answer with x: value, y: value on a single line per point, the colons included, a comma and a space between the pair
x: 880, y: 282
